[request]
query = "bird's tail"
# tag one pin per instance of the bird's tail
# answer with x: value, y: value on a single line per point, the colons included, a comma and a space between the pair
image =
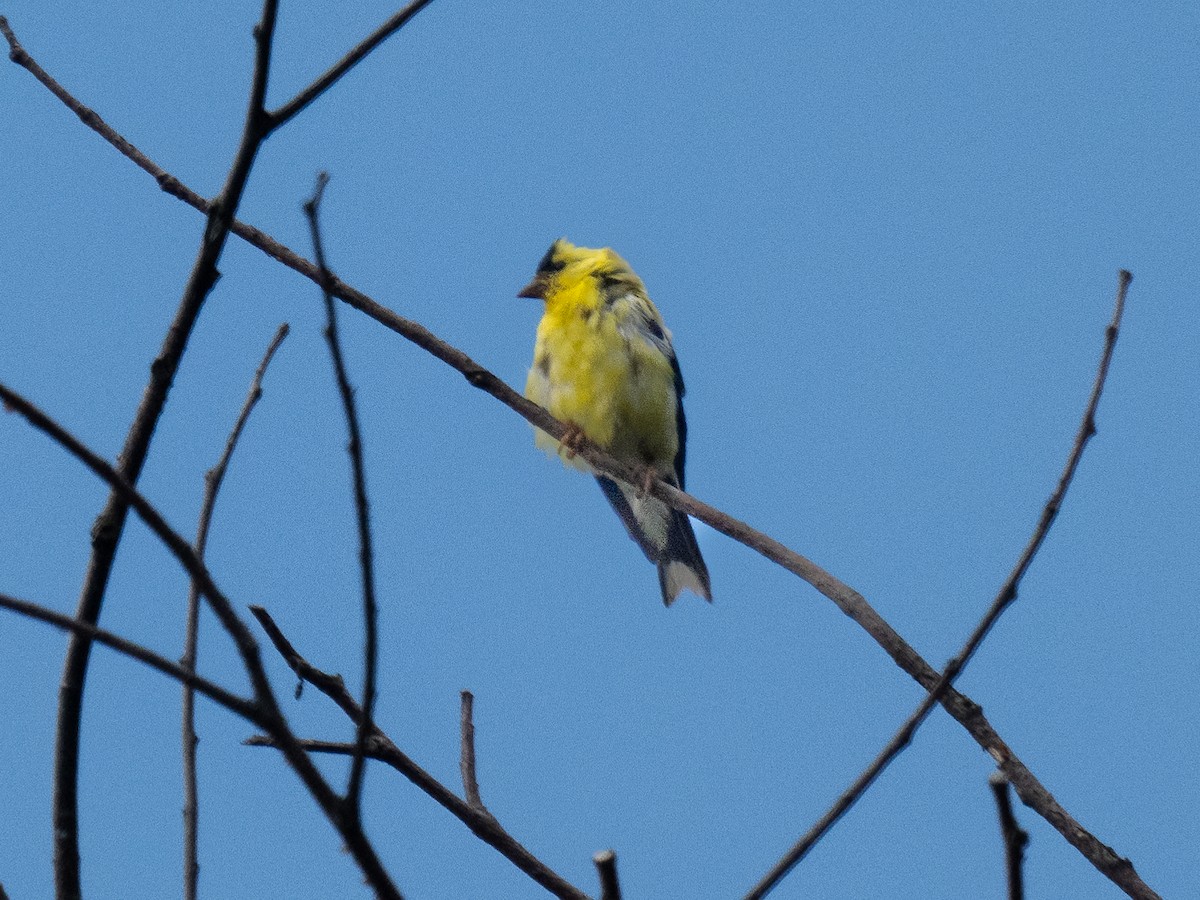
x: 665, y: 536
x: 682, y: 566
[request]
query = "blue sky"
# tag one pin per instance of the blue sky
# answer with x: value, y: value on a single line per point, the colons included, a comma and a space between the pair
x: 886, y: 238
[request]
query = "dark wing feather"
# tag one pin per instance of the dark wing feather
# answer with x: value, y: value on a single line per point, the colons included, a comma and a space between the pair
x: 680, y: 423
x: 619, y: 502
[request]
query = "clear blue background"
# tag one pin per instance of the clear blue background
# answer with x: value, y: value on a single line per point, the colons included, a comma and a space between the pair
x: 886, y: 237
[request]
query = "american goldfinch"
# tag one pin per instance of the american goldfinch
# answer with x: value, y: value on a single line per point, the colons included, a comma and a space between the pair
x: 603, y: 364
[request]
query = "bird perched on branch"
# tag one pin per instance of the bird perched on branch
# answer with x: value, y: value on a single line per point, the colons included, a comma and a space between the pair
x: 604, y: 366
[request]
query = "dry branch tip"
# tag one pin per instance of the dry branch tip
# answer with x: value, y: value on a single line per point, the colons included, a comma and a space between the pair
x: 606, y: 868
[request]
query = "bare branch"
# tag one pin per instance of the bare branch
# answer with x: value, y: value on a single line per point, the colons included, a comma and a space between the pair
x: 366, y: 556
x: 90, y: 118
x: 212, y: 485
x: 259, y: 125
x: 109, y: 525
x: 1006, y: 595
x: 333, y: 748
x: 381, y: 747
x: 332, y: 686
x: 1015, y: 838
x: 964, y: 710
x: 216, y: 475
x: 346, y: 63
x: 247, y: 709
x: 842, y: 805
x: 1087, y: 428
x: 273, y: 719
x: 606, y: 867
x: 466, y: 763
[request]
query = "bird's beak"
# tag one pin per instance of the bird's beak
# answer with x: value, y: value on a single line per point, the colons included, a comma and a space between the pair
x: 536, y: 289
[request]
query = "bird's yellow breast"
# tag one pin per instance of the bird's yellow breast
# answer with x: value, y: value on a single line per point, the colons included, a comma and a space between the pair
x: 619, y: 390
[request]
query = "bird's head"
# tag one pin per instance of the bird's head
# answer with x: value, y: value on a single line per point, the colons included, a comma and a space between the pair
x: 564, y: 266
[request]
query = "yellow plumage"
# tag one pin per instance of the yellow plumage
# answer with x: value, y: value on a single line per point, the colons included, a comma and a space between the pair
x: 603, y: 364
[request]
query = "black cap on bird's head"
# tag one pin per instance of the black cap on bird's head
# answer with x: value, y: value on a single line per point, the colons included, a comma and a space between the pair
x: 564, y: 263
x: 554, y: 261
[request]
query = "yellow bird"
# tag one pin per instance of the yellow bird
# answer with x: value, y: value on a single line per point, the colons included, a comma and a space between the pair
x: 604, y: 366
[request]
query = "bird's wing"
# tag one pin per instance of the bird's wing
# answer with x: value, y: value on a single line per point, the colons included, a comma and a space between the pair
x: 638, y: 320
x: 680, y: 424
x: 652, y: 546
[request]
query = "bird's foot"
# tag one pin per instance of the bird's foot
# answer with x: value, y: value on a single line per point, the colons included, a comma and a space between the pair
x: 572, y: 440
x: 646, y: 478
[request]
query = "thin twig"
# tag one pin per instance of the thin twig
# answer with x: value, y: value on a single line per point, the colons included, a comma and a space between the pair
x: 1006, y: 595
x: 381, y: 747
x: 1015, y: 838
x: 366, y: 556
x: 1119, y: 870
x: 1087, y: 428
x: 346, y: 63
x: 331, y: 686
x: 247, y: 709
x: 606, y: 867
x: 314, y: 745
x: 466, y: 759
x: 274, y: 721
x: 212, y: 485
x: 842, y: 805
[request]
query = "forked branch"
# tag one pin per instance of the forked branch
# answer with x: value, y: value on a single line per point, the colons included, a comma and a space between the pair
x: 266, y: 704
x: 379, y: 746
x: 109, y: 525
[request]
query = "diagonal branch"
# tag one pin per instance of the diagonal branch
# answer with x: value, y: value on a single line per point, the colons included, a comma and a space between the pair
x: 286, y: 112
x: 965, y: 711
x: 332, y: 686
x: 481, y: 822
x: 1087, y: 429
x: 366, y: 558
x: 212, y: 485
x: 1006, y: 595
x: 276, y: 724
x: 247, y: 709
